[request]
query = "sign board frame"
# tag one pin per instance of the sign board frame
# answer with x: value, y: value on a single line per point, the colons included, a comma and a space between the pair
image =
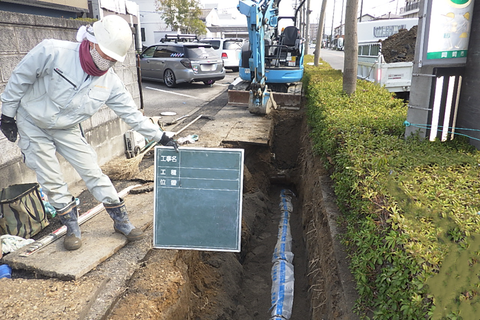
x: 198, y: 195
x: 446, y: 32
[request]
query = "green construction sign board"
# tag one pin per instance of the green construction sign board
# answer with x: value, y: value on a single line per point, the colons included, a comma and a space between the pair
x: 198, y: 199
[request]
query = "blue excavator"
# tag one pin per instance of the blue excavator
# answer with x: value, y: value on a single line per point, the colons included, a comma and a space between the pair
x: 271, y: 61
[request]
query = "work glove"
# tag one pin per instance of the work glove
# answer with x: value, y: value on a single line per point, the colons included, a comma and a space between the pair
x: 9, y: 128
x: 167, y: 140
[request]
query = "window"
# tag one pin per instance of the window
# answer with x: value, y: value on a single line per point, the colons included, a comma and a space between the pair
x: 371, y: 50
x: 160, y: 53
x: 201, y: 52
x: 148, y: 53
x: 375, y: 50
x: 232, y: 45
x: 214, y: 43
x: 175, y: 51
x: 361, y: 50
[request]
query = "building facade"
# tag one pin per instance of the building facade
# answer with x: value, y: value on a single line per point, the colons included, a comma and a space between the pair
x: 51, y: 8
x: 410, y: 10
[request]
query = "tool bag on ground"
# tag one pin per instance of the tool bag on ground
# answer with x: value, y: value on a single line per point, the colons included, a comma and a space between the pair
x: 21, y: 210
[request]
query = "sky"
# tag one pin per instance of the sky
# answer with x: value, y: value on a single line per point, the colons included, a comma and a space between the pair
x: 373, y: 7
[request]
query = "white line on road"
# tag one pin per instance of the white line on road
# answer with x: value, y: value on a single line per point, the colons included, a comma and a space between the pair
x: 179, y: 94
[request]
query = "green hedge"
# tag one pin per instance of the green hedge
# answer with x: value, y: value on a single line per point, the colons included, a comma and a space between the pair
x: 410, y: 206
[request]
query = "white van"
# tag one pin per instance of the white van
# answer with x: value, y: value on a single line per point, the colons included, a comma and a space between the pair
x: 229, y: 49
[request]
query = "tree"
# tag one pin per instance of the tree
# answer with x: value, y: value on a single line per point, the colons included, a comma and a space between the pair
x: 320, y: 33
x: 351, y: 48
x: 182, y: 15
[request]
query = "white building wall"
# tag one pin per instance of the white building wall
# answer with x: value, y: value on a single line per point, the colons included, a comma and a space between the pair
x: 212, y: 19
x: 151, y: 21
x: 223, y: 14
x: 127, y: 9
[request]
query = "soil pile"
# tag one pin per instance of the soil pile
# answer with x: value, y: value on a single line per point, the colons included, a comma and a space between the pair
x: 400, y: 47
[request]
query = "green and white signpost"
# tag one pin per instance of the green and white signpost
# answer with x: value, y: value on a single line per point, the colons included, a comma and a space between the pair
x: 440, y: 57
x: 449, y: 30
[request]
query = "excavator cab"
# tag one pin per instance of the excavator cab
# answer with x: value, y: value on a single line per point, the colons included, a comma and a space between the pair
x: 286, y: 51
x: 283, y: 58
x: 270, y: 62
x: 290, y: 39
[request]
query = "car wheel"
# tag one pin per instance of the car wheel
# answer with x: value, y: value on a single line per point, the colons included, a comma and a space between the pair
x: 235, y: 69
x: 169, y: 78
x: 209, y: 82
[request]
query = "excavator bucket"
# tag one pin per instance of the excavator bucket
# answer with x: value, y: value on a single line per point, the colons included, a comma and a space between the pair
x: 238, y: 95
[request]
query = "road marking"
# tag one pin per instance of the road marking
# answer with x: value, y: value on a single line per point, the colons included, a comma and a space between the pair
x: 179, y: 94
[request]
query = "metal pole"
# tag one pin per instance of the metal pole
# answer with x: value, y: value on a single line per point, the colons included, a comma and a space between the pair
x: 333, y: 16
x: 307, y: 30
x: 341, y: 19
x: 361, y: 11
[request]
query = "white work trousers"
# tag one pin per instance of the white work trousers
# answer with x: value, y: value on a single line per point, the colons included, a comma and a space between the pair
x: 39, y: 147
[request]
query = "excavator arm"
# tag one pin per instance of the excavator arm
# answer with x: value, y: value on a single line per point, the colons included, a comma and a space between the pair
x: 261, y: 17
x: 271, y: 61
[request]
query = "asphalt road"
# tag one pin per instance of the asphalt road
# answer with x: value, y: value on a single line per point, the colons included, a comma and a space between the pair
x: 333, y: 57
x: 185, y: 99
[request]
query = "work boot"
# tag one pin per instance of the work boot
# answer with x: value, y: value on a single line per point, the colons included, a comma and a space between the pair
x: 69, y: 218
x: 121, y: 224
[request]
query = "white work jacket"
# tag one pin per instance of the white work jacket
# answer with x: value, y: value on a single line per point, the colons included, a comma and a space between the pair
x: 50, y: 86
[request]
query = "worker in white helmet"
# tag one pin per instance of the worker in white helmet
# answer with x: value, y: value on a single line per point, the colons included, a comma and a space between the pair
x: 55, y: 87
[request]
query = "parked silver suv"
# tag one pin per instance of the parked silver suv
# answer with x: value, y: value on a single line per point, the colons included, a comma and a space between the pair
x: 177, y: 62
x: 229, y: 49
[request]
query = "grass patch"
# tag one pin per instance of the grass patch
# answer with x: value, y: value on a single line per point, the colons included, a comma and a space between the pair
x: 410, y: 206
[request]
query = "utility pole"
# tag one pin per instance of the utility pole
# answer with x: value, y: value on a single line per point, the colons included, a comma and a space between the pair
x: 361, y: 10
x: 316, y: 60
x: 351, y: 48
x: 303, y: 21
x: 333, y: 16
x: 307, y: 30
x: 341, y: 18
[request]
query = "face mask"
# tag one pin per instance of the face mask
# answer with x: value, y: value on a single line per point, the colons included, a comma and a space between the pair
x: 101, y: 63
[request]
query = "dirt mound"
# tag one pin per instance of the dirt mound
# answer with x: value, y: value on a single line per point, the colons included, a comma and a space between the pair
x: 400, y: 47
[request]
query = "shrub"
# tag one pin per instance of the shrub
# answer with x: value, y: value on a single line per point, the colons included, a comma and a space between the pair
x: 409, y: 206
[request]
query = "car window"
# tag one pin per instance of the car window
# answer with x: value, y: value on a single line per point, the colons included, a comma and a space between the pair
x: 168, y: 52
x: 176, y: 51
x: 231, y: 45
x: 148, y: 53
x: 160, y: 53
x: 200, y: 52
x: 215, y: 43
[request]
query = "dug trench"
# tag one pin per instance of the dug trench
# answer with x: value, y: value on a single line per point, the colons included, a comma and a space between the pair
x: 215, y: 285
x: 139, y: 282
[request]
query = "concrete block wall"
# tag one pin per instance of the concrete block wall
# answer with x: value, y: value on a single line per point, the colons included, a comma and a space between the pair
x: 19, y: 33
x: 469, y: 108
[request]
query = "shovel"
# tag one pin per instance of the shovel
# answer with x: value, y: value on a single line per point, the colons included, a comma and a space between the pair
x: 176, y: 120
x: 194, y: 120
x: 187, y: 115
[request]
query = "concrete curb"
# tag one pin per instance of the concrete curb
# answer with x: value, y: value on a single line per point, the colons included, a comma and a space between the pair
x: 346, y: 278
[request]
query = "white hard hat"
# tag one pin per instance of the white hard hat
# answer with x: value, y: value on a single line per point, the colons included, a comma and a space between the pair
x: 114, y: 36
